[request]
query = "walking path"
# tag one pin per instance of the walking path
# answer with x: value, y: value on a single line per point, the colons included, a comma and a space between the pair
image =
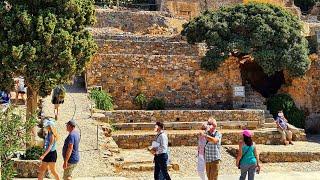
x: 76, y: 101
x: 264, y: 176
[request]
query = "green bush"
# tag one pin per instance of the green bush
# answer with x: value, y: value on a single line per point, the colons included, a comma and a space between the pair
x: 34, y: 153
x: 156, y: 104
x: 268, y: 33
x: 312, y: 44
x: 141, y: 100
x: 102, y: 99
x: 284, y: 102
x: 13, y: 137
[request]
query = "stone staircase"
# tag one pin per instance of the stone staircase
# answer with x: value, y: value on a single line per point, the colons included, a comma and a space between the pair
x: 255, y: 100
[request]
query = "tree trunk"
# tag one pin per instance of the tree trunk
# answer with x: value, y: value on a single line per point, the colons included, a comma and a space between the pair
x: 32, y: 104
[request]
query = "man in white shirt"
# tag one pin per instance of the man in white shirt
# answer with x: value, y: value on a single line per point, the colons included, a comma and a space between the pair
x: 160, y: 147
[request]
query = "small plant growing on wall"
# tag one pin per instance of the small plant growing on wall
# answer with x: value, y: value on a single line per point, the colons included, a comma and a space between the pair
x: 141, y: 100
x: 102, y: 99
x: 34, y: 153
x: 156, y: 104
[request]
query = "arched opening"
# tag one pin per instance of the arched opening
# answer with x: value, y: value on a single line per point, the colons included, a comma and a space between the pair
x: 266, y: 85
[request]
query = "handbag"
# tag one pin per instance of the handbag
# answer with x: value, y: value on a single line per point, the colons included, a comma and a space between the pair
x: 243, y: 156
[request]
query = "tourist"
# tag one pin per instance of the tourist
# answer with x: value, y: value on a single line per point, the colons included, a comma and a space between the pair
x: 70, y: 151
x: 57, y: 99
x: 212, y: 151
x: 4, y: 100
x: 201, y: 166
x: 21, y: 89
x: 49, y: 157
x: 160, y: 149
x: 248, y: 158
x: 284, y: 128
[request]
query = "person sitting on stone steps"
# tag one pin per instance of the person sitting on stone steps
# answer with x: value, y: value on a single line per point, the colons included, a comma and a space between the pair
x: 284, y: 128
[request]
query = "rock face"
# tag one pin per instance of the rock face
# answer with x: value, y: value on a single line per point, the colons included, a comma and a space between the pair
x: 26, y: 168
x: 306, y: 93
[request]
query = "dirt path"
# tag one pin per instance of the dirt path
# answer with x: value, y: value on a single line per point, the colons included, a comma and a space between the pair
x: 76, y: 101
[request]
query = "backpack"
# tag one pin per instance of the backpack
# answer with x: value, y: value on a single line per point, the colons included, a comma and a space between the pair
x: 59, y: 92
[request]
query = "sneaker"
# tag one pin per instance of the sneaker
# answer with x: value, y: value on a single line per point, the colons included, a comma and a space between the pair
x: 291, y: 142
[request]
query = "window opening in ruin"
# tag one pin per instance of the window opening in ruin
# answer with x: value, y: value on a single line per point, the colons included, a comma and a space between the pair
x: 266, y: 85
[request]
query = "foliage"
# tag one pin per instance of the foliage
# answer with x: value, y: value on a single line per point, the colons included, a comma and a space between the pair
x: 284, y: 102
x: 141, y: 100
x: 44, y: 41
x: 102, y: 99
x: 305, y: 5
x: 268, y: 33
x: 121, y: 2
x: 34, y: 153
x: 13, y: 135
x: 156, y: 104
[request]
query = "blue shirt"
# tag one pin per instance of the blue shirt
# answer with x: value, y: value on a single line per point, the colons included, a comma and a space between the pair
x: 248, y: 157
x: 73, y: 138
x: 47, y: 142
x: 4, y: 97
x: 282, y: 122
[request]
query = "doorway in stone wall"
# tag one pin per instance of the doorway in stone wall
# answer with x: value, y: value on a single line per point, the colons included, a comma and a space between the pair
x: 266, y: 85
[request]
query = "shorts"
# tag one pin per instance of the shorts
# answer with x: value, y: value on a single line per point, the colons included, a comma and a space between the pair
x: 55, y: 100
x: 68, y: 172
x: 21, y: 92
x: 50, y: 157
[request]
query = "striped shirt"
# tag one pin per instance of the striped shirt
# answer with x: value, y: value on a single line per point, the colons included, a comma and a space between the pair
x: 213, y: 151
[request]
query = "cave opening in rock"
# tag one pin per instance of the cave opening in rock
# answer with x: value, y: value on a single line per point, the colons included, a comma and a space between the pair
x: 266, y: 85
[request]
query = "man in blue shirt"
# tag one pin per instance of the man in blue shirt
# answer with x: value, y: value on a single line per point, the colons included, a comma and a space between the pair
x: 70, y: 151
x: 284, y: 128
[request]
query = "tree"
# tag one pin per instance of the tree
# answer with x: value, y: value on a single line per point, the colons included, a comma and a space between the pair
x: 269, y: 34
x: 12, y: 136
x: 45, y: 41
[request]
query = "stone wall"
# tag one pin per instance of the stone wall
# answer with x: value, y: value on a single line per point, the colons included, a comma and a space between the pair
x: 176, y: 78
x: 135, y: 116
x: 26, y: 168
x: 128, y: 21
x: 191, y: 139
x: 306, y: 93
x: 189, y: 9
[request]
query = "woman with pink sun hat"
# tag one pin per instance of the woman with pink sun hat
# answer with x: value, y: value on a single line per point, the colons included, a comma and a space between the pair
x: 248, y: 157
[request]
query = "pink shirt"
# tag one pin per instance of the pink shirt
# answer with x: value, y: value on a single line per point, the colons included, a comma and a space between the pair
x: 201, y: 144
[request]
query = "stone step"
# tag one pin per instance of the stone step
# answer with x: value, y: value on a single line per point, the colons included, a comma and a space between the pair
x: 187, y: 125
x: 147, y: 47
x: 139, y: 160
x: 143, y: 139
x: 269, y: 120
x: 301, y: 151
x: 270, y: 125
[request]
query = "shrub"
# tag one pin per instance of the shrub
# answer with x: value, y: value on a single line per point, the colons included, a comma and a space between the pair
x: 141, y: 100
x: 34, y: 153
x: 284, y: 102
x: 267, y: 33
x: 102, y: 99
x: 156, y: 104
x: 305, y: 5
x: 14, y: 134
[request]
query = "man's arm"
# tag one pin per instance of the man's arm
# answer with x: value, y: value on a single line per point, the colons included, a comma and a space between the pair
x: 214, y: 140
x: 68, y: 155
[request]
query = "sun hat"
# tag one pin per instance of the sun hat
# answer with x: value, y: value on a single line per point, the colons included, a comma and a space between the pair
x: 247, y: 133
x: 49, y: 122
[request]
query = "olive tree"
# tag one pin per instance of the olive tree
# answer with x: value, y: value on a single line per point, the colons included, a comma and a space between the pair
x: 45, y: 41
x: 269, y: 34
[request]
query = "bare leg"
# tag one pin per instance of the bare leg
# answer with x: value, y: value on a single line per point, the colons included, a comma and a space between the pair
x: 52, y: 167
x: 42, y: 169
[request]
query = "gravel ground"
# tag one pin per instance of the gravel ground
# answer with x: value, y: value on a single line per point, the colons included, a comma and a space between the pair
x: 186, y: 158
x: 90, y: 163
